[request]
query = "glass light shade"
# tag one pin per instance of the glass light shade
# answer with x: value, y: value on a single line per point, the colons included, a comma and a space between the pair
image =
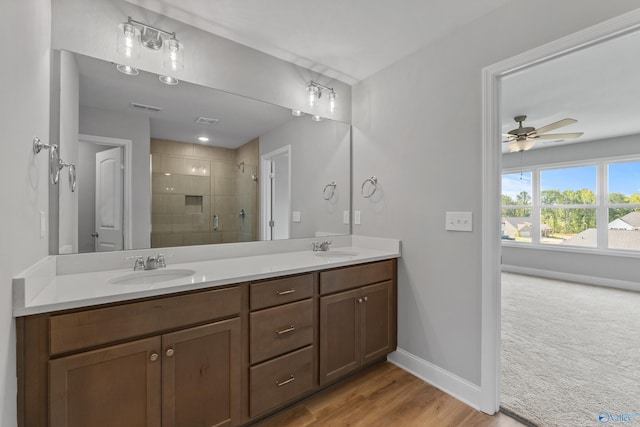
x: 127, y: 69
x: 168, y: 80
x: 173, y: 55
x: 316, y: 118
x: 521, y: 144
x: 314, y: 94
x: 332, y: 102
x: 297, y: 113
x: 128, y: 40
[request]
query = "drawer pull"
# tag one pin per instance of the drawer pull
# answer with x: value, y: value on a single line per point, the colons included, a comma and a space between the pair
x: 285, y: 331
x: 287, y: 292
x: 285, y: 382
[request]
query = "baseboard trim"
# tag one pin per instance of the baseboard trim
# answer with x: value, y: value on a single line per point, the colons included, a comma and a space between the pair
x: 444, y: 380
x: 570, y: 277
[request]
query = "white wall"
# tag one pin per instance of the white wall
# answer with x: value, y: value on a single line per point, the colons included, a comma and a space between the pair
x: 24, y: 113
x: 209, y: 60
x: 68, y: 204
x: 135, y: 127
x: 319, y: 158
x: 417, y: 126
x: 548, y: 261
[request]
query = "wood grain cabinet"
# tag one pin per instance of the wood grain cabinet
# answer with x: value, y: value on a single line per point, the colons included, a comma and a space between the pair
x: 178, y: 375
x: 282, y: 350
x: 214, y: 357
x: 358, y: 325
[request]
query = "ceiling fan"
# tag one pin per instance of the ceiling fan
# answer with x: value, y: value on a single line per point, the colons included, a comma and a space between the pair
x: 524, y: 138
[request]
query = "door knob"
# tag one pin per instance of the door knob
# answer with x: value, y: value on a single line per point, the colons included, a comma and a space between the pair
x: 94, y: 234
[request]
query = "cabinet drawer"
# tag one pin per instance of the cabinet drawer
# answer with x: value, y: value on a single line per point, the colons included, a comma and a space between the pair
x: 280, y: 291
x: 90, y: 328
x: 277, y: 330
x: 345, y: 278
x: 280, y: 380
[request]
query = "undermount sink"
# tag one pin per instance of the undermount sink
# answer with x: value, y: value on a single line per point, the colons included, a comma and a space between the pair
x: 147, y: 277
x: 335, y: 254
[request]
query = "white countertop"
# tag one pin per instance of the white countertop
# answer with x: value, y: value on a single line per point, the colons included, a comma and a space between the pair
x: 40, y: 290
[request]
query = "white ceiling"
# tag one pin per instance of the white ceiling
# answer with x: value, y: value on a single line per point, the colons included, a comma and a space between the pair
x: 599, y: 86
x: 351, y: 40
x: 348, y: 40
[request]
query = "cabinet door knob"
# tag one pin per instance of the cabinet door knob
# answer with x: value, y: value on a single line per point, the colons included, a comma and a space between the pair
x: 359, y: 300
x: 153, y: 357
x: 170, y: 352
x: 365, y: 299
x: 285, y: 382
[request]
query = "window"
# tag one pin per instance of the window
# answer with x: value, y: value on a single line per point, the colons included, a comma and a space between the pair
x: 623, y: 207
x: 567, y: 203
x: 516, y: 207
x: 594, y: 205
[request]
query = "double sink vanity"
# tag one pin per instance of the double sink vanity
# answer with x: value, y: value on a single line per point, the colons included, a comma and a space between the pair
x: 211, y: 339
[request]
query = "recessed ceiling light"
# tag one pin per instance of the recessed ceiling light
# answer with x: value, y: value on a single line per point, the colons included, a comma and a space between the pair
x: 168, y: 80
x: 127, y: 69
x: 297, y: 113
x: 203, y: 139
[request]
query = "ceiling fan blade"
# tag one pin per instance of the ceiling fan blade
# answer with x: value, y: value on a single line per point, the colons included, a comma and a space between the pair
x: 507, y: 137
x: 560, y: 135
x: 555, y: 125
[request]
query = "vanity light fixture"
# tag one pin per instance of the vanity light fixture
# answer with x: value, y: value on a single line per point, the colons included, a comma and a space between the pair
x: 132, y: 34
x: 297, y: 113
x: 316, y: 118
x: 314, y: 91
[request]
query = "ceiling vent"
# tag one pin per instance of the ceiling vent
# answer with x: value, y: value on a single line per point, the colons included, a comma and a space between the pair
x: 206, y: 121
x: 144, y: 107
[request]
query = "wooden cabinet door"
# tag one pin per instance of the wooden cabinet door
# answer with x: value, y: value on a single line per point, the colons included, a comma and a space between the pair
x: 340, y: 324
x: 376, y: 316
x: 201, y: 375
x: 114, y: 386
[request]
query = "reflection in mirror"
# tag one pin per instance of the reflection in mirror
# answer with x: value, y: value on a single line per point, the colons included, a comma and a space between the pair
x: 162, y: 166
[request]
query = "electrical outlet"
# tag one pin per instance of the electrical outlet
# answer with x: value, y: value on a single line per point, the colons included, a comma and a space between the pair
x: 295, y: 216
x: 357, y: 219
x: 458, y: 221
x: 345, y: 217
x: 43, y: 224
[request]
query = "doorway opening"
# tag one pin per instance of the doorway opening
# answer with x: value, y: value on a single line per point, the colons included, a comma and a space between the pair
x: 104, y: 196
x: 275, y: 202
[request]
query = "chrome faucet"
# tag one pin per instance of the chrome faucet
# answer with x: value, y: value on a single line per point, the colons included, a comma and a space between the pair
x: 152, y: 263
x: 320, y: 247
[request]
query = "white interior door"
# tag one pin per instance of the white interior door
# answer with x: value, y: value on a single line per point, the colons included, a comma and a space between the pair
x: 276, y: 206
x: 109, y: 200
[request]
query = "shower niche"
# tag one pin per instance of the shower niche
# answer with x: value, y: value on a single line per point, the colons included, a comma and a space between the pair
x: 203, y: 194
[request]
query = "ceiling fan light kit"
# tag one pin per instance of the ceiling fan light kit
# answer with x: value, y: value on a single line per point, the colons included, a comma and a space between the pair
x: 523, y: 138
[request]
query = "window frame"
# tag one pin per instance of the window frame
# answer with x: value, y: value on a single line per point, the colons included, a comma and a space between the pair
x: 601, y: 205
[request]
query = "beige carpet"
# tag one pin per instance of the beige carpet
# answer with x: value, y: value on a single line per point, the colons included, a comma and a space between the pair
x: 570, y: 353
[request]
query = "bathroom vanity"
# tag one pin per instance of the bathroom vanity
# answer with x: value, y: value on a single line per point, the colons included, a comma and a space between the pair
x: 221, y: 354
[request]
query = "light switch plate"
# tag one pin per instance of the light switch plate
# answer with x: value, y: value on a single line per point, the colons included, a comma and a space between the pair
x: 345, y: 217
x: 295, y: 216
x: 357, y: 219
x: 458, y: 221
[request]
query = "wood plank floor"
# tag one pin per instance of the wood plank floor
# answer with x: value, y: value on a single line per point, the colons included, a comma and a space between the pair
x: 384, y: 395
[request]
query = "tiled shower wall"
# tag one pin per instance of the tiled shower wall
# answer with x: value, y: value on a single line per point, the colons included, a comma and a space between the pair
x: 192, y: 183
